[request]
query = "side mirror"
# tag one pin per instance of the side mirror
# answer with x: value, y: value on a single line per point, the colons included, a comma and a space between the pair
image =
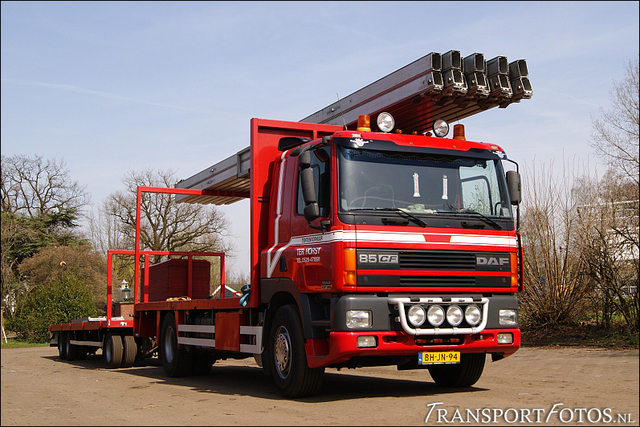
x: 307, y: 181
x: 514, y: 187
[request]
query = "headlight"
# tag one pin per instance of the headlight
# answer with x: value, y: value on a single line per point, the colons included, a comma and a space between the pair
x: 508, y: 318
x: 358, y: 319
x: 417, y: 315
x: 435, y: 314
x: 385, y: 122
x: 454, y: 315
x: 440, y: 128
x: 473, y: 315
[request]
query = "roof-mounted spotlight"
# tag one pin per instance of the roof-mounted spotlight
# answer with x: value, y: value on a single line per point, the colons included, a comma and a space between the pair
x: 440, y: 128
x: 385, y: 122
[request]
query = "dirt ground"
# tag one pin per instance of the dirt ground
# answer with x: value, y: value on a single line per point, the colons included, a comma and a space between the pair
x: 534, y: 386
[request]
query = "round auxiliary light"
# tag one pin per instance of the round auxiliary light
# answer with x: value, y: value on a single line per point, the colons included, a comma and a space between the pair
x: 473, y: 315
x: 417, y: 315
x: 385, y: 122
x: 440, y: 128
x: 435, y: 315
x: 454, y: 315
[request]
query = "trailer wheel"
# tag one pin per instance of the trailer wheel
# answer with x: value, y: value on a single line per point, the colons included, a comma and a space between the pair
x: 113, y: 351
x: 70, y: 349
x: 289, y: 368
x: 62, y: 348
x: 466, y: 374
x: 176, y: 362
x: 129, y: 351
x: 81, y: 352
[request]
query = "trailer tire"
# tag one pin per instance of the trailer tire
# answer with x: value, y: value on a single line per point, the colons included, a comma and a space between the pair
x: 113, y: 351
x: 70, y: 349
x: 176, y: 362
x: 129, y: 351
x: 289, y: 368
x: 62, y: 349
x: 465, y: 374
x: 81, y: 352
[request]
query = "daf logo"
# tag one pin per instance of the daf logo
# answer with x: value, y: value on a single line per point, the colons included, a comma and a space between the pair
x: 490, y: 260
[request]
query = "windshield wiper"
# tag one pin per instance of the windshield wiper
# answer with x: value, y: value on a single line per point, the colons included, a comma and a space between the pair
x: 400, y: 211
x: 478, y: 215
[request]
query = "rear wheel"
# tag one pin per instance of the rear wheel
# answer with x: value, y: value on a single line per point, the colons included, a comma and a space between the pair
x: 465, y: 374
x: 70, y: 349
x: 176, y: 362
x: 289, y: 369
x: 62, y: 348
x: 113, y: 351
x: 81, y: 352
x: 129, y: 351
x: 202, y: 363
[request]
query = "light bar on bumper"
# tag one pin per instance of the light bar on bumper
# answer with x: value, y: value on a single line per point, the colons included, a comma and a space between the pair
x: 400, y: 302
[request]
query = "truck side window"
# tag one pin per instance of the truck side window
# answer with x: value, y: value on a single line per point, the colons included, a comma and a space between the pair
x: 321, y: 174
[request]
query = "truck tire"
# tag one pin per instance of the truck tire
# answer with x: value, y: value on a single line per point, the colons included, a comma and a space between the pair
x: 113, y: 351
x: 129, y: 351
x: 176, y: 362
x: 62, y: 348
x: 70, y: 349
x: 288, y: 359
x: 202, y: 363
x: 465, y: 374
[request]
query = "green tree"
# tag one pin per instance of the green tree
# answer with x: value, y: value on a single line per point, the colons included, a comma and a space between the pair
x: 40, y: 206
x: 66, y: 298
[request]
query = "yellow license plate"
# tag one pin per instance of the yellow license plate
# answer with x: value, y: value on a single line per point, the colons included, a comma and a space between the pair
x: 439, y: 358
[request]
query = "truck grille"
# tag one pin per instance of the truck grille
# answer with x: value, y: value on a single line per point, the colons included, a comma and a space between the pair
x: 436, y: 260
x: 437, y: 281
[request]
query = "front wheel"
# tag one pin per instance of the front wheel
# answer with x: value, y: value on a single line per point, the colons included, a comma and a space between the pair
x: 465, y: 374
x: 288, y: 359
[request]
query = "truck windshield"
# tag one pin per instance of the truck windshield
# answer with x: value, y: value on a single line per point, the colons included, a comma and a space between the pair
x: 421, y: 183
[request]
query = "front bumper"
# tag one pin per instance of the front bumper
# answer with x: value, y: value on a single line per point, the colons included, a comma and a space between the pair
x: 342, y: 346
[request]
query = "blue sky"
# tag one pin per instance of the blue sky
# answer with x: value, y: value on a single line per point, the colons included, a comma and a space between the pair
x: 110, y: 87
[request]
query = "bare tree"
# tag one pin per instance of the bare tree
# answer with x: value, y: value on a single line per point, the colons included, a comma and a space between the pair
x: 615, y: 134
x: 611, y: 243
x: 33, y: 186
x: 554, y: 292
x: 165, y: 224
x: 609, y: 247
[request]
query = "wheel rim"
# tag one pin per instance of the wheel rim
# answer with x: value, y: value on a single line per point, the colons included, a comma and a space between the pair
x: 282, y: 353
x: 168, y: 345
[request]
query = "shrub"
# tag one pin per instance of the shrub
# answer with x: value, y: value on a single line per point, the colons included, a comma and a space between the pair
x: 65, y: 298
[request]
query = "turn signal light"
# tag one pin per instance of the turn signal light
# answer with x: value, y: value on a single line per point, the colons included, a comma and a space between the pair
x: 364, y: 123
x: 349, y: 267
x: 514, y: 271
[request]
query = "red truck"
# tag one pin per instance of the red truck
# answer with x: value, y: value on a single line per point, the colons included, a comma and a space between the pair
x: 369, y: 247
